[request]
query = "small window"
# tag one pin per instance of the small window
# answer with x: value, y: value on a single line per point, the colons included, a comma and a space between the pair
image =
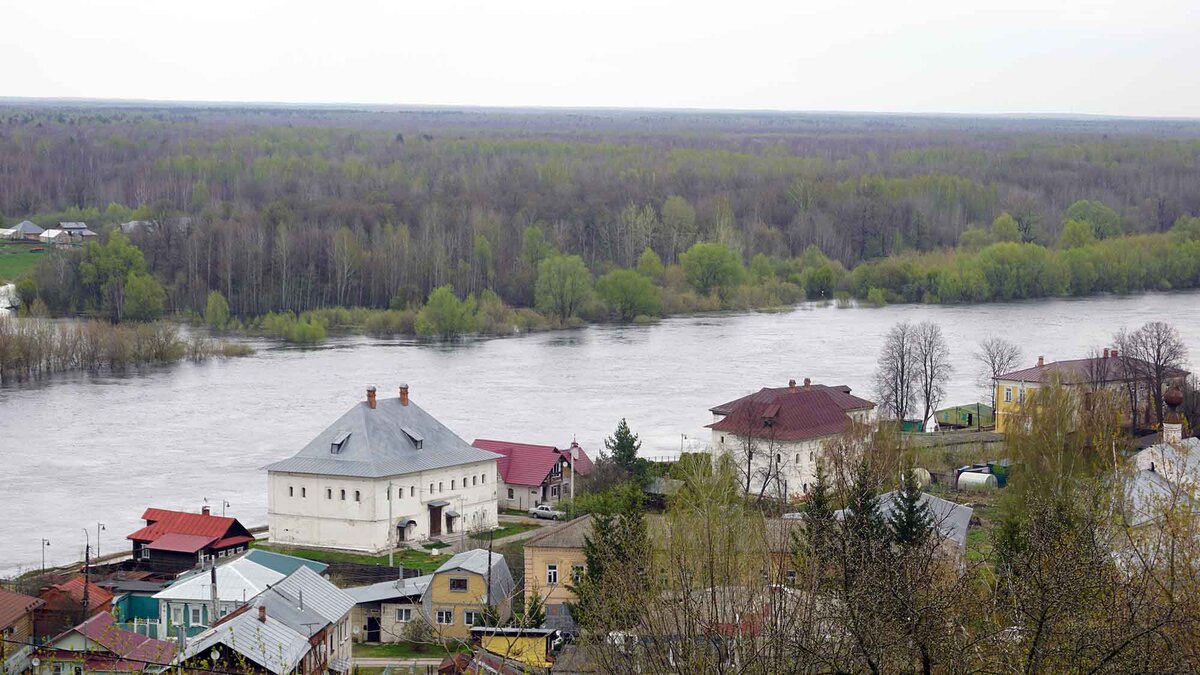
x: 291, y: 491
x: 812, y: 456
x: 452, y: 483
x: 778, y: 459
x: 431, y: 488
x: 470, y: 618
x: 552, y: 574
x: 483, y: 478
x: 791, y: 577
x: 510, y: 493
x: 58, y: 669
x: 577, y: 574
x: 224, y: 611
x: 412, y: 490
x: 722, y: 439
x: 1008, y: 394
x: 806, y: 488
x: 445, y: 617
x: 343, y: 495
x: 403, y: 614
x: 177, y: 615
x: 328, y: 493
x: 797, y: 458
x: 474, y: 481
x: 553, y: 490
x: 1021, y: 396
x: 196, y: 618
x: 78, y: 670
x: 439, y: 486
x: 458, y: 585
x: 303, y: 492
x: 357, y: 496
x: 464, y: 481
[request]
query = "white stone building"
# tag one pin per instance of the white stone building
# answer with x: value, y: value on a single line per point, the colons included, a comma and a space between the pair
x: 384, y: 473
x: 775, y: 436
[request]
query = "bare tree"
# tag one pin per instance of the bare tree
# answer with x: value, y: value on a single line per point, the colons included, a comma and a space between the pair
x: 1153, y: 355
x: 933, y: 365
x: 996, y: 356
x: 896, y: 372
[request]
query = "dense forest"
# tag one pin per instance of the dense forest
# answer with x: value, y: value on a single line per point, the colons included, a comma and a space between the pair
x: 296, y: 209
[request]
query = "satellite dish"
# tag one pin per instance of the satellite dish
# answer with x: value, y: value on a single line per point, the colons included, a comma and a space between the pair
x: 35, y: 662
x: 215, y: 655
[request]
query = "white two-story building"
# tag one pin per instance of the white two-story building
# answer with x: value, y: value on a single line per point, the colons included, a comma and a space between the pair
x: 384, y: 473
x: 775, y: 436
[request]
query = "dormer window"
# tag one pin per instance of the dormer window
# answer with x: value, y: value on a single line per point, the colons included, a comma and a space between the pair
x: 417, y: 439
x: 338, y: 443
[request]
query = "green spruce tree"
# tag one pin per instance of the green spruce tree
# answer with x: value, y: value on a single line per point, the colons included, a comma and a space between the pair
x: 864, y: 522
x: 911, y: 520
x: 819, y: 519
x: 623, y: 445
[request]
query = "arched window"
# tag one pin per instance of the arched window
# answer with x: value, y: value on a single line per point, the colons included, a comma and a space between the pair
x: 357, y: 496
x: 343, y: 495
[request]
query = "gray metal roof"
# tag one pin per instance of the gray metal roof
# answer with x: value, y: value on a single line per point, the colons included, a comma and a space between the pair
x: 376, y: 444
x: 413, y: 587
x: 323, y: 597
x: 476, y: 560
x: 27, y: 227
x: 951, y: 520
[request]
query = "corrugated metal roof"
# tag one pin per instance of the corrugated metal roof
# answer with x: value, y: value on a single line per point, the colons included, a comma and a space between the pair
x: 272, y: 644
x: 13, y: 606
x: 323, y: 597
x: 102, y: 629
x: 237, y: 581
x: 164, y: 521
x: 476, y: 560
x: 412, y: 587
x: 27, y: 227
x: 951, y: 520
x: 790, y: 414
x: 284, y: 564
x: 527, y: 463
x: 378, y: 445
x: 181, y: 543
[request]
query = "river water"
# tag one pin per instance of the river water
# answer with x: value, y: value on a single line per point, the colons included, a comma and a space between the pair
x: 79, y: 450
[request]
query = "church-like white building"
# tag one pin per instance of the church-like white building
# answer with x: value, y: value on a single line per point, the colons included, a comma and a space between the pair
x: 384, y: 473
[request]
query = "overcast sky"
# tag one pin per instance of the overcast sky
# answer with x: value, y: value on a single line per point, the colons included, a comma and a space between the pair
x: 1126, y: 57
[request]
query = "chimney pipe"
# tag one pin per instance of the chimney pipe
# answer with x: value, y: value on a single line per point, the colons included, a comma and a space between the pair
x: 792, y: 385
x: 262, y: 613
x: 1106, y: 352
x: 404, y: 394
x: 1113, y: 353
x: 1041, y: 361
x: 204, y: 510
x: 807, y: 383
x: 371, y: 397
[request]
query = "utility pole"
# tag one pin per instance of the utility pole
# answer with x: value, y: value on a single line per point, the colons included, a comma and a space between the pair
x: 87, y: 564
x: 391, y: 526
x: 45, y: 543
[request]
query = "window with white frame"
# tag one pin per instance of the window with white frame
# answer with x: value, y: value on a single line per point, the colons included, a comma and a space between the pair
x: 403, y: 614
x: 474, y: 481
x: 510, y: 493
x: 1008, y: 394
x: 1021, y: 396
x: 328, y: 493
x: 445, y: 617
x: 552, y: 574
x: 553, y: 490
x: 470, y: 618
x: 177, y: 615
x: 196, y: 618
x: 577, y: 574
x: 483, y: 478
x: 458, y: 585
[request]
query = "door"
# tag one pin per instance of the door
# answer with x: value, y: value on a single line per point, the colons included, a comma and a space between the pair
x: 372, y: 629
x: 435, y: 521
x: 400, y: 531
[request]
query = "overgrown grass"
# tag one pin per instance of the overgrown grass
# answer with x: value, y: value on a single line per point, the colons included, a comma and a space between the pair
x: 17, y: 259
x: 409, y: 558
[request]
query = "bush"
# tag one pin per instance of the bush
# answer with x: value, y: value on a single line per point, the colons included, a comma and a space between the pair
x: 390, y: 322
x: 286, y: 326
x: 216, y: 312
x: 629, y: 294
x: 876, y: 297
x: 445, y: 316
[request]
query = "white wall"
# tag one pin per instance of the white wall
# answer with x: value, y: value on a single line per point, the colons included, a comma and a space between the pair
x: 308, y: 510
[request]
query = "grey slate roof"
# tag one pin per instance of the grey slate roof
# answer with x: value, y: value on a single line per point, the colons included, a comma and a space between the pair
x: 378, y: 446
x: 412, y: 587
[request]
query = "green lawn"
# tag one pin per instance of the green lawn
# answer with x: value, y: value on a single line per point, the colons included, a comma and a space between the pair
x: 509, y: 529
x: 404, y: 650
x: 410, y: 559
x: 17, y: 258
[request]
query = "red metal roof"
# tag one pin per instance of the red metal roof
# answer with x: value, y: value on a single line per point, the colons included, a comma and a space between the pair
x: 529, y: 464
x: 181, y: 543
x: 13, y: 606
x: 790, y: 414
x: 97, y: 596
x: 160, y: 522
x: 127, y: 645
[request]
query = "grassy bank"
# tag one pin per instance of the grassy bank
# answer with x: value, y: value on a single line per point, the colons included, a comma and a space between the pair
x: 17, y: 259
x: 409, y: 558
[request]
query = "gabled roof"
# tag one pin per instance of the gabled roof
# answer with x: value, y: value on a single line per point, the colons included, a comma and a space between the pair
x: 1077, y: 371
x: 97, y: 596
x: 319, y: 594
x: 413, y: 587
x: 181, y: 543
x: 284, y: 564
x: 529, y: 464
x: 220, y: 530
x: 790, y: 413
x: 1175, y: 462
x: 567, y: 535
x: 102, y: 630
x: 13, y: 606
x: 951, y: 520
x: 237, y: 581
x: 72, y: 225
x: 376, y: 443
x: 477, y: 561
x: 27, y: 227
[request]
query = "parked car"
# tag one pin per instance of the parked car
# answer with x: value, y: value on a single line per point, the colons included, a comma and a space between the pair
x: 546, y: 511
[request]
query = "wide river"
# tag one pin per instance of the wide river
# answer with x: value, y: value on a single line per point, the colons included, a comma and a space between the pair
x: 80, y: 450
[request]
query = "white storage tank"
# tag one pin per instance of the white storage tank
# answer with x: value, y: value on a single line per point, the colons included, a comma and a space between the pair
x: 970, y: 480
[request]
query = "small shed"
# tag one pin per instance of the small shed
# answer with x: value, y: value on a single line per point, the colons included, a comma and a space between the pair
x: 968, y: 416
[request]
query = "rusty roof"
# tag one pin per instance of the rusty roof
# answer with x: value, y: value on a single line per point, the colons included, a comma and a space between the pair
x: 13, y: 606
x: 790, y: 413
x: 1096, y: 369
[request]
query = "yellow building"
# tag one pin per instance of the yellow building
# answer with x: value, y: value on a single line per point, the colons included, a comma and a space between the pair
x: 459, y: 592
x: 553, y: 561
x: 530, y: 646
x: 1108, y: 371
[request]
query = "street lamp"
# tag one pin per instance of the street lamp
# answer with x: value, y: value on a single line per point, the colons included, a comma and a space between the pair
x: 224, y: 503
x: 45, y: 543
x: 99, y: 527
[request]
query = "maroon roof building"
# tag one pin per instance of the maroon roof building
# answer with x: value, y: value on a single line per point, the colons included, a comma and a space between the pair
x: 100, y: 645
x: 535, y: 474
x: 178, y: 540
x: 775, y: 436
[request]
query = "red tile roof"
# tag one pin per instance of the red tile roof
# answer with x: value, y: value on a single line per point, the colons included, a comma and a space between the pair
x: 160, y: 522
x: 1077, y: 371
x: 528, y: 464
x: 13, y: 606
x: 97, y: 596
x: 103, y: 630
x: 790, y: 413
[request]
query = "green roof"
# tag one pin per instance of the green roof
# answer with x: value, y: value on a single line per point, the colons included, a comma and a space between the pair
x: 284, y: 564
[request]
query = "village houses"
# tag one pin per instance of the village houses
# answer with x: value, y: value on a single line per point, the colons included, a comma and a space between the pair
x: 384, y: 473
x: 174, y: 541
x: 16, y: 630
x: 775, y: 436
x: 99, y: 645
x: 535, y: 474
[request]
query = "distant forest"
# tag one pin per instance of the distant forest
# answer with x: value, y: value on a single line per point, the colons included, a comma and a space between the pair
x: 295, y: 209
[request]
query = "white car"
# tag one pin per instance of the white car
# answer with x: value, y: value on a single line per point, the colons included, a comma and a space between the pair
x: 545, y: 511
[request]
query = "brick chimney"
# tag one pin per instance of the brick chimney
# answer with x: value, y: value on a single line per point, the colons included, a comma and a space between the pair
x: 792, y: 386
x: 807, y: 383
x: 404, y: 394
x: 1041, y: 361
x: 371, y: 397
x: 204, y: 510
x: 262, y: 613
